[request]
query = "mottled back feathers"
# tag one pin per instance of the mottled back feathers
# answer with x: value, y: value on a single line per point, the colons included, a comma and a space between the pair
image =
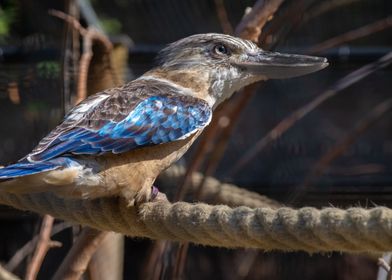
x: 139, y: 114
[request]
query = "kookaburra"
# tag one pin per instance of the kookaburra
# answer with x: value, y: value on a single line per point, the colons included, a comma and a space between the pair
x: 116, y: 142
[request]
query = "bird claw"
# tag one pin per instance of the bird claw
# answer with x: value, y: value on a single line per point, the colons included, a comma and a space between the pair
x: 154, y: 193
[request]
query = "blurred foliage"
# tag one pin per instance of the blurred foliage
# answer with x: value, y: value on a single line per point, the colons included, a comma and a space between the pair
x: 112, y: 26
x: 35, y: 107
x: 49, y: 69
x: 7, y: 17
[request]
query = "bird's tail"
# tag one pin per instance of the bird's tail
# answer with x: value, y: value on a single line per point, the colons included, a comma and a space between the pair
x: 26, y: 168
x: 30, y: 177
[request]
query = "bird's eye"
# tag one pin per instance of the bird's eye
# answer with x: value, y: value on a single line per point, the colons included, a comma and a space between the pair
x: 221, y: 49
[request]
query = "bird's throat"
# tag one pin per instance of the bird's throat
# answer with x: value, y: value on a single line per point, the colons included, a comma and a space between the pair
x: 196, y: 83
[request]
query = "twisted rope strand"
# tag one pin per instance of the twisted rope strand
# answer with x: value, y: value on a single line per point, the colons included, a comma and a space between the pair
x: 307, y: 229
x: 214, y: 191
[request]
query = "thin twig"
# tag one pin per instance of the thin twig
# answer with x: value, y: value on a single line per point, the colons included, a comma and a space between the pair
x: 279, y: 29
x: 232, y: 117
x: 389, y: 275
x: 382, y: 263
x: 7, y: 275
x: 43, y: 246
x: 352, y: 35
x: 84, y: 65
x: 337, y: 150
x: 227, y: 28
x: 300, y: 113
x: 202, y: 150
x: 246, y: 262
x: 327, y: 6
x: 70, y: 58
x: 77, y: 259
x: 205, y: 146
x: 89, y: 14
x: 181, y: 257
x: 28, y: 248
x: 89, y: 35
x: 70, y: 20
x: 154, y: 265
x: 295, y: 13
x: 252, y: 23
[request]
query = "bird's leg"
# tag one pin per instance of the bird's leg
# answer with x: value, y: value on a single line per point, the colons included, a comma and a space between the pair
x: 154, y: 193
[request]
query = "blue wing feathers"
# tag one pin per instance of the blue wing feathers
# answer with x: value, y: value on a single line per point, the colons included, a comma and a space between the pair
x: 131, y: 117
x: 24, y: 168
x: 155, y: 120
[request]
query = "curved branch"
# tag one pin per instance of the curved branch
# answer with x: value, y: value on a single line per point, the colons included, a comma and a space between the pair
x: 78, y: 258
x: 251, y: 25
x: 43, y: 246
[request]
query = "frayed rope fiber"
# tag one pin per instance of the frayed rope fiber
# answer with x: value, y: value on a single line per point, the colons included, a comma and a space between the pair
x: 307, y: 229
x: 213, y: 191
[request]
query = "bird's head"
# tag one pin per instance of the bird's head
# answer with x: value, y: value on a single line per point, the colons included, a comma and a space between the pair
x: 227, y: 63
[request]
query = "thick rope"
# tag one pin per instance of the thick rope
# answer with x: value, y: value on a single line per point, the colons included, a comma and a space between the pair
x: 214, y: 191
x: 307, y: 229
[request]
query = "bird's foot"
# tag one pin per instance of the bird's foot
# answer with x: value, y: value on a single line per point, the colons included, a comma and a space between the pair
x: 151, y: 194
x: 154, y: 193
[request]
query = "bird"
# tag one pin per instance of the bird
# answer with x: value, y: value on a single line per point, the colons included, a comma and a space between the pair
x: 116, y: 142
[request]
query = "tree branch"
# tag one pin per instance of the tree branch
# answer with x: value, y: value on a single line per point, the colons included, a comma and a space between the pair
x: 253, y: 22
x: 78, y: 258
x: 43, y: 246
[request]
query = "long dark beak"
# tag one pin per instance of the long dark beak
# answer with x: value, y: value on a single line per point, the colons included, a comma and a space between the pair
x: 274, y: 65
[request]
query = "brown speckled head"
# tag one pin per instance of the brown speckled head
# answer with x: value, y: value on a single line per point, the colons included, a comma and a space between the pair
x: 223, y: 64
